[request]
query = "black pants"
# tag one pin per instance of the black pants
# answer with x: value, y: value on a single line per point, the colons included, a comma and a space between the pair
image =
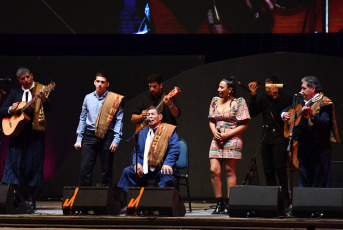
x: 274, y: 158
x: 91, y: 147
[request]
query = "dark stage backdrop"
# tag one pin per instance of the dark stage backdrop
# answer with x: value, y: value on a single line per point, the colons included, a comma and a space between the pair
x: 198, y: 86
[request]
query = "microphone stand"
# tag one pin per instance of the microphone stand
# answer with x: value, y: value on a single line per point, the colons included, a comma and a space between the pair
x: 290, y: 164
x: 253, y: 161
x: 136, y: 150
x: 135, y: 135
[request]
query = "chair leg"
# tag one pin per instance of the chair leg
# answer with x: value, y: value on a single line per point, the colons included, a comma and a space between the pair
x: 178, y: 184
x: 189, y: 196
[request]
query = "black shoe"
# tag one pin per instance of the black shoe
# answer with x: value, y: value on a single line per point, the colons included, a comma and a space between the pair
x: 124, y: 210
x: 32, y: 206
x: 220, y: 206
x: 226, y: 208
x: 30, y: 210
x: 32, y: 203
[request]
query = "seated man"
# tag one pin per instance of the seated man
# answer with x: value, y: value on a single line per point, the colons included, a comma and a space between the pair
x: 158, y: 152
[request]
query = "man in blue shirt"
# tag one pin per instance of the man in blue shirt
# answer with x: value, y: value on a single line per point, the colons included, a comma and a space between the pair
x: 99, y: 130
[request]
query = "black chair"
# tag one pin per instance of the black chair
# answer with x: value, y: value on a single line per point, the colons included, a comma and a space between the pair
x: 182, y: 163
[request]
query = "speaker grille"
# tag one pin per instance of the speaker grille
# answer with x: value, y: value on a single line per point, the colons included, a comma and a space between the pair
x: 252, y: 201
x: 156, y: 201
x: 314, y: 202
x: 91, y: 200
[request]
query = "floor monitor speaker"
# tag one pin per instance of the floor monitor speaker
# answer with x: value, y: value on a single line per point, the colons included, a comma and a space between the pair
x: 11, y: 201
x: 155, y: 201
x: 250, y: 201
x: 90, y: 200
x: 317, y: 202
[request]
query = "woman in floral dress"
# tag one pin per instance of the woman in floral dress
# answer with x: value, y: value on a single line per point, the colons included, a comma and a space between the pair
x: 229, y: 118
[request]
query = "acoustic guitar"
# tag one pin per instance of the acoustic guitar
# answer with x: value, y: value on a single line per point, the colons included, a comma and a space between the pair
x: 13, y: 124
x: 171, y: 94
x: 295, y: 160
x: 296, y: 115
x: 294, y: 121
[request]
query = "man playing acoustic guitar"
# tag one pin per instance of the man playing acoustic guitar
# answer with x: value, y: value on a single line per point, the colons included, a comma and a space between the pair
x: 24, y: 164
x: 314, y: 130
x: 158, y: 99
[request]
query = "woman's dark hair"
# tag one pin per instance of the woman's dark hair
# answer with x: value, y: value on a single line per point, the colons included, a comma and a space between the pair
x: 231, y: 83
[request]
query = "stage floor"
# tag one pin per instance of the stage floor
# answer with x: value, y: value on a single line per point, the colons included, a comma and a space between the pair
x: 49, y: 215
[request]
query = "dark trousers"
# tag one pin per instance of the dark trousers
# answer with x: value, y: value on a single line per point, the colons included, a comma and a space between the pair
x: 24, y: 164
x: 91, y: 147
x: 274, y: 158
x: 314, y: 165
x: 128, y: 179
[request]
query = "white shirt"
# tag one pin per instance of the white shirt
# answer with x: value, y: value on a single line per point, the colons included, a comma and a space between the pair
x: 148, y: 141
x: 29, y: 93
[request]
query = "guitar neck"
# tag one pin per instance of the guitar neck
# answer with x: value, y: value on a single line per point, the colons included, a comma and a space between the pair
x: 159, y: 106
x: 171, y: 94
x: 45, y: 90
x: 306, y: 104
x: 29, y: 103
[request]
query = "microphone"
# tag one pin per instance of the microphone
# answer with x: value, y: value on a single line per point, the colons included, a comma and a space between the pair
x: 298, y: 94
x: 148, y: 120
x: 218, y: 129
x: 243, y: 86
x: 5, y: 80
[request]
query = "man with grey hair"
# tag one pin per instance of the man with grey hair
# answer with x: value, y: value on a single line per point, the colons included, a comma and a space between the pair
x: 24, y: 164
x: 315, y: 132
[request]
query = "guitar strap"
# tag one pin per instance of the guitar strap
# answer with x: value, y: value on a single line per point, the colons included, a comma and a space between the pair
x: 39, y: 121
x: 278, y: 125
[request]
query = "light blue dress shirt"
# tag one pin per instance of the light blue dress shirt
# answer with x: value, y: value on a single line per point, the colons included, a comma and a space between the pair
x: 90, y: 110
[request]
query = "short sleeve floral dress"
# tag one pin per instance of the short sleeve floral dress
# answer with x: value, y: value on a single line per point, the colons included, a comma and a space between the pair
x: 232, y: 147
